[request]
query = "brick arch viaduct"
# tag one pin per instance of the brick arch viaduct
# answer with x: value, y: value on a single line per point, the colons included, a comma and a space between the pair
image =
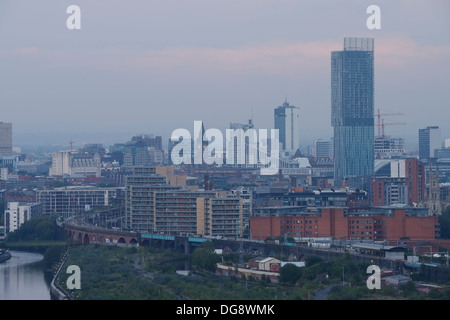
x: 89, y: 235
x: 83, y: 234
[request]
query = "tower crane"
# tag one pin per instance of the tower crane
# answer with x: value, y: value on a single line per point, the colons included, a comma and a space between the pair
x: 388, y: 124
x: 381, y: 123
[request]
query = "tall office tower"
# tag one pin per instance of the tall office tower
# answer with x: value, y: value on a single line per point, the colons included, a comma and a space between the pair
x: 429, y: 140
x: 5, y: 139
x: 352, y: 107
x: 287, y: 121
x: 323, y: 149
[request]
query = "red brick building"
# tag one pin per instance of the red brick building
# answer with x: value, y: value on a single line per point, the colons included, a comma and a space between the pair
x: 403, y: 183
x: 415, y: 173
x: 383, y: 223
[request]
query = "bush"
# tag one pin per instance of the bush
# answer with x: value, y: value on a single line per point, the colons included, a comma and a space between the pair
x: 313, y: 259
x: 52, y: 256
x: 290, y: 273
x: 205, y: 258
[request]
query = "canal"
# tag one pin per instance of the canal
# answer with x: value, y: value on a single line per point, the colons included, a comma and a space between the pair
x: 22, y: 277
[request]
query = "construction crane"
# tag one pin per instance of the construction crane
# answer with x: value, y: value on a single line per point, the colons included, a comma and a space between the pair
x: 381, y: 123
x: 71, y: 144
x: 388, y: 124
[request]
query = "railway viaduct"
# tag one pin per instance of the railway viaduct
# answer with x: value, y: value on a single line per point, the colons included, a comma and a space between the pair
x: 85, y: 234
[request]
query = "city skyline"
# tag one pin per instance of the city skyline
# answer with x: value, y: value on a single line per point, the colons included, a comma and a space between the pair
x: 257, y: 144
x: 130, y: 67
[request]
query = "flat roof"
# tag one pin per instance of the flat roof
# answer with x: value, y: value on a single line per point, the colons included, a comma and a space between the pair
x: 370, y: 246
x: 268, y: 259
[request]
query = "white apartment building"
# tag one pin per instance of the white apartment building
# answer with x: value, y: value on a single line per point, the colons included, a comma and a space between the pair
x: 16, y: 213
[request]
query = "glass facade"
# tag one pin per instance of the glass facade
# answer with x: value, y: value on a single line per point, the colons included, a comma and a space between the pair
x: 352, y: 109
x: 429, y: 141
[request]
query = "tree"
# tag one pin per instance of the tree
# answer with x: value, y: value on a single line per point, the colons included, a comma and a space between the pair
x: 312, y: 259
x: 444, y: 221
x: 51, y: 256
x: 290, y: 273
x: 204, y: 257
x: 38, y: 228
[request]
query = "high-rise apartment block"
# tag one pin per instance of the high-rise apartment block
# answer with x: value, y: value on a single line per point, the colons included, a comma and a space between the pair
x: 352, y: 109
x: 153, y: 206
x: 72, y: 200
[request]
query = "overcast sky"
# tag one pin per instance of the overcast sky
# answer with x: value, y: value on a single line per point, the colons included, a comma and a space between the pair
x: 145, y: 66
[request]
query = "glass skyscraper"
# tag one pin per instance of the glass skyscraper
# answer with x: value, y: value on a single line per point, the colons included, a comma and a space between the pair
x: 429, y: 141
x: 352, y: 109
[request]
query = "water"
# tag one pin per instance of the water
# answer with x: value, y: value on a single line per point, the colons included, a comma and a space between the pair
x: 22, y: 279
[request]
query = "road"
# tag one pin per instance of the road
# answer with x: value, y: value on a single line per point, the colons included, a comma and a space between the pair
x: 323, y: 294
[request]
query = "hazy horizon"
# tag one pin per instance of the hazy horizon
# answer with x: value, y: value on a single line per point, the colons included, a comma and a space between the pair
x: 150, y: 67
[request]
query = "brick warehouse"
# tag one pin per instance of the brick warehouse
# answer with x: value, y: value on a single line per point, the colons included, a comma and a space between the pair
x: 377, y: 224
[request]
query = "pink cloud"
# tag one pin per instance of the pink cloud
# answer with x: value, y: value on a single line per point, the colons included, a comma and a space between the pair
x: 270, y: 58
x: 400, y: 51
x: 392, y: 52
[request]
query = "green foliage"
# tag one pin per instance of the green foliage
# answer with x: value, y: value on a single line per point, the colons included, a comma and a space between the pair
x: 204, y: 257
x: 312, y: 259
x: 446, y: 294
x: 109, y: 272
x: 59, y: 184
x: 290, y: 273
x: 444, y: 221
x: 2, y: 213
x: 339, y: 292
x: 52, y: 255
x: 38, y: 228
